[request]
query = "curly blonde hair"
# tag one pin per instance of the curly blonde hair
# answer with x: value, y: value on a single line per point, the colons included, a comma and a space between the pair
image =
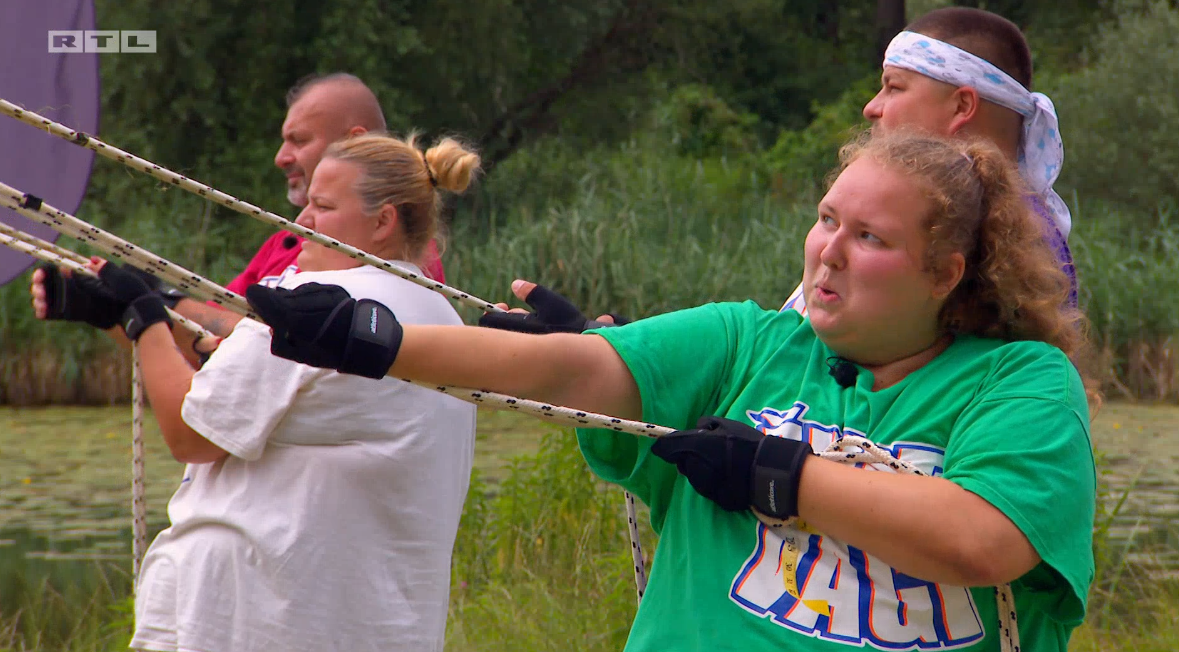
x: 1012, y: 287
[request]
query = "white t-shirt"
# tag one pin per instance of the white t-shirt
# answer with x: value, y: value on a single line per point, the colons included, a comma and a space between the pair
x: 331, y: 524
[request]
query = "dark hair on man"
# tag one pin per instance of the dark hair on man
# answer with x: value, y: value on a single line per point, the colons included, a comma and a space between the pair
x: 984, y: 34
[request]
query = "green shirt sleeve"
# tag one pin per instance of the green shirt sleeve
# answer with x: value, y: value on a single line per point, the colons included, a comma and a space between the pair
x: 1023, y: 445
x: 684, y: 364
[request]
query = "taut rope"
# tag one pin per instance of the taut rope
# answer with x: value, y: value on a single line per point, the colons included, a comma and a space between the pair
x: 212, y: 194
x: 846, y: 450
x: 199, y: 287
x: 33, y: 207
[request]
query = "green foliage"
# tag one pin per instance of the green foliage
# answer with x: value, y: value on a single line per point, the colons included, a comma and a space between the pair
x: 541, y: 563
x: 93, y: 616
x: 703, y: 125
x: 647, y: 232
x: 801, y: 159
x: 1129, y: 277
x: 1059, y: 33
x: 544, y: 563
x: 1120, y: 116
x: 775, y: 58
x: 642, y: 204
x: 640, y: 230
x: 501, y: 73
x: 1129, y: 598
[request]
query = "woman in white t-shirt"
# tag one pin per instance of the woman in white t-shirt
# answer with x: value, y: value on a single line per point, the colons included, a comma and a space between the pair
x: 307, y: 518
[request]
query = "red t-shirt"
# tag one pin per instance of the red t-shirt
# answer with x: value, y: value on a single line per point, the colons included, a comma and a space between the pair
x: 276, y: 259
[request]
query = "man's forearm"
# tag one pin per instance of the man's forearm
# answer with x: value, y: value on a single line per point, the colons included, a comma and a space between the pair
x: 217, y: 320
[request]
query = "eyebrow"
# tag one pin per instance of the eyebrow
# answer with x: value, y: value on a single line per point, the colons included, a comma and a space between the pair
x: 295, y: 132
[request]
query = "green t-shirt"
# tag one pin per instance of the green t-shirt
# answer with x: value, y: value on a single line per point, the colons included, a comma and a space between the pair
x: 1006, y: 421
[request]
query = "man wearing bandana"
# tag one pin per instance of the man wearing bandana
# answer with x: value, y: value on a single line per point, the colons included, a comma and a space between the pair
x: 955, y: 71
x: 967, y: 72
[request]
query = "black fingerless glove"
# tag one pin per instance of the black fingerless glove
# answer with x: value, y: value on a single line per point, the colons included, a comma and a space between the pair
x: 553, y: 314
x: 170, y: 295
x: 79, y: 298
x: 323, y: 326
x: 142, y: 306
x: 738, y: 467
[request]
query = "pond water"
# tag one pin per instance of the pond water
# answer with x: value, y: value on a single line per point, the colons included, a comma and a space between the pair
x: 65, y: 485
x: 65, y: 498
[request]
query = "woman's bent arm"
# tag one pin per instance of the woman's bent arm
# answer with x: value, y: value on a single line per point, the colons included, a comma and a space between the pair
x: 167, y: 379
x: 929, y: 528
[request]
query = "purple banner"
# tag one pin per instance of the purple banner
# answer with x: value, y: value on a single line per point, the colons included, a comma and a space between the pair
x: 61, y: 86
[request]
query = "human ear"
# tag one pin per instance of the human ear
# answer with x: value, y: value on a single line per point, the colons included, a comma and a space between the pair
x: 966, y: 107
x: 385, y: 224
x: 948, y: 275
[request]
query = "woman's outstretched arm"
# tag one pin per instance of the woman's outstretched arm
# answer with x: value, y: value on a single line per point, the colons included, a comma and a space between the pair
x: 579, y: 371
x: 323, y: 326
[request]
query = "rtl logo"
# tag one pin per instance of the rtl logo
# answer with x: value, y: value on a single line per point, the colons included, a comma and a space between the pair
x: 102, y: 40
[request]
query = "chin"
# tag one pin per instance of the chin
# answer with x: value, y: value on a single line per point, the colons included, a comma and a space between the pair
x: 825, y: 325
x: 306, y: 263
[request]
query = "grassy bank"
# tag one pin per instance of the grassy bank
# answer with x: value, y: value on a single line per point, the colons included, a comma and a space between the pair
x: 541, y: 561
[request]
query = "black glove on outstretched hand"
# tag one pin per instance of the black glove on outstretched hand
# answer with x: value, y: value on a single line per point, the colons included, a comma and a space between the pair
x: 323, y: 326
x: 738, y: 467
x: 553, y: 314
x: 142, y: 307
x: 79, y: 298
x: 170, y: 295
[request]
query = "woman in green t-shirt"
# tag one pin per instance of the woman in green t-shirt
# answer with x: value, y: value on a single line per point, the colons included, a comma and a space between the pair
x: 937, y: 328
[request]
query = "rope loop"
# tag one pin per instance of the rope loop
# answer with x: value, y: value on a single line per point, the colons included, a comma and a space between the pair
x: 853, y: 449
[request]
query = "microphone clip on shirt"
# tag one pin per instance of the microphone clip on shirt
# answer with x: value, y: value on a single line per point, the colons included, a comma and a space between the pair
x: 843, y: 371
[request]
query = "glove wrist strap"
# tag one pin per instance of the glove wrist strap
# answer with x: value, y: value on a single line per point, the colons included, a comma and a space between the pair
x: 777, y: 469
x: 143, y: 312
x: 171, y: 296
x: 373, y: 341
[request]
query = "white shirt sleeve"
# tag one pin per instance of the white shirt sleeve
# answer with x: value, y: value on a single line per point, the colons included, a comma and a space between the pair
x: 244, y: 391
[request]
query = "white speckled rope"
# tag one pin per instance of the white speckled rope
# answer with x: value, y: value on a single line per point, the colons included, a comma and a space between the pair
x: 43, y: 245
x: 119, y: 248
x: 1010, y: 639
x: 195, y: 187
x: 852, y: 449
x: 202, y: 288
x: 848, y: 450
x: 164, y: 174
x: 49, y: 252
x: 138, y: 504
x: 72, y: 262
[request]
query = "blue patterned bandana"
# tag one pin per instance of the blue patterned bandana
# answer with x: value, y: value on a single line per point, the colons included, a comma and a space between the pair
x: 1041, y: 150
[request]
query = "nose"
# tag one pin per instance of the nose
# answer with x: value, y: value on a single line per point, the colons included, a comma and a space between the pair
x: 833, y: 254
x: 874, y: 108
x: 284, y: 157
x: 306, y: 218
